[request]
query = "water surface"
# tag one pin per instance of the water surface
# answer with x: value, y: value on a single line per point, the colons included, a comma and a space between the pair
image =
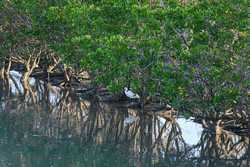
x: 44, y: 126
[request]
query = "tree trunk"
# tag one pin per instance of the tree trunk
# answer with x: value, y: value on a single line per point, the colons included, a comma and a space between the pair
x: 2, y: 73
x: 25, y: 82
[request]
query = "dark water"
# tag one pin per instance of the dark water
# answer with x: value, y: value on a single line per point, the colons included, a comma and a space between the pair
x: 44, y: 126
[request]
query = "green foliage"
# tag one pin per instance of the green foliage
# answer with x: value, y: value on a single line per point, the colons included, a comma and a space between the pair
x: 191, y: 55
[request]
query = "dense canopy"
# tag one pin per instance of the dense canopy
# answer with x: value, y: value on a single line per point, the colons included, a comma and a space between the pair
x: 194, y: 55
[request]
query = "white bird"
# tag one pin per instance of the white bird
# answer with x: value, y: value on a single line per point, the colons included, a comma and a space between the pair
x: 130, y: 94
x: 130, y: 119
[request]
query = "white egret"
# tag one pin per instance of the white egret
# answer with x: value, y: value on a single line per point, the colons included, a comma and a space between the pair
x: 130, y: 94
x: 130, y: 119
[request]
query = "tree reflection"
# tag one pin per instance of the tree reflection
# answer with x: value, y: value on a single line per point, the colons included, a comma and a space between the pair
x: 56, y: 127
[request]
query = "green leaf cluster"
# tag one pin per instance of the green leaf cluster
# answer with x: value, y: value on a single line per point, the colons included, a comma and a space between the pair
x: 190, y: 55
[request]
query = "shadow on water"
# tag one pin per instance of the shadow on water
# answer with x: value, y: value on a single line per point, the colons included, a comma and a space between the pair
x: 42, y: 125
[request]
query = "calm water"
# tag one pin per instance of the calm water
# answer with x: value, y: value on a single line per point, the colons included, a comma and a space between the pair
x: 44, y: 126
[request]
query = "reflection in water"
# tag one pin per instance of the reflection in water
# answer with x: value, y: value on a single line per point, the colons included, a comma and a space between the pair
x: 42, y: 125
